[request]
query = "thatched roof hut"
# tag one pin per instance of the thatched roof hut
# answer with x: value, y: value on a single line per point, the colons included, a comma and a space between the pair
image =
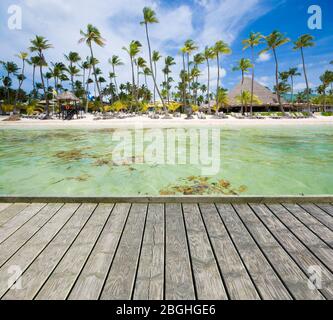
x: 67, y: 96
x: 266, y: 96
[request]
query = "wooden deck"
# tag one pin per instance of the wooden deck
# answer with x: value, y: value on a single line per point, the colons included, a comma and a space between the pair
x: 172, y: 251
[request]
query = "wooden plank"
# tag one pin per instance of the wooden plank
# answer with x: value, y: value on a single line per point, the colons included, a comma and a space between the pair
x: 11, y: 211
x: 90, y: 282
x: 20, y: 219
x: 150, y: 278
x: 178, y: 274
x: 62, y: 279
x: 289, y: 272
x: 236, y: 277
x: 31, y: 249
x: 21, y: 236
x: 300, y: 253
x: 266, y: 280
x: 120, y: 281
x: 313, y: 224
x: 4, y: 206
x: 39, y: 271
x: 321, y: 215
x: 208, y: 281
x: 327, y: 207
x: 316, y: 245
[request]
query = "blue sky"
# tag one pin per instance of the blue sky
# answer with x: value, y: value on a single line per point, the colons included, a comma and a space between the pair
x: 204, y: 21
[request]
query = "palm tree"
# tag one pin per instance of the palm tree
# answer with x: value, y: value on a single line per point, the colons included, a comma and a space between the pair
x: 93, y: 35
x: 220, y: 48
x: 156, y: 57
x: 147, y: 73
x: 243, y: 65
x: 22, y: 56
x: 209, y: 54
x: 189, y: 48
x: 115, y: 62
x: 133, y: 50
x: 253, y: 41
x: 34, y: 61
x: 149, y: 17
x: 11, y: 68
x: 39, y: 45
x: 305, y: 41
x: 292, y: 73
x: 140, y: 64
x: 273, y: 41
x: 72, y: 58
x: 326, y: 79
x: 169, y: 61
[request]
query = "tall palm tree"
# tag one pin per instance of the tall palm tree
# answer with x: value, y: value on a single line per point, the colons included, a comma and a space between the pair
x: 253, y: 41
x: 155, y: 57
x: 292, y: 73
x: 243, y: 65
x: 189, y: 48
x: 39, y: 45
x: 169, y: 62
x: 140, y: 64
x: 273, y: 41
x: 326, y: 79
x: 305, y: 41
x: 34, y: 61
x: 93, y: 35
x: 72, y: 58
x: 147, y: 73
x: 209, y: 54
x: 149, y: 17
x: 23, y: 56
x: 133, y: 50
x: 115, y: 62
x: 220, y: 48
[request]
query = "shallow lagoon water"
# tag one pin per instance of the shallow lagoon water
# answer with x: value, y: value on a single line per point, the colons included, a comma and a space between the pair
x: 278, y: 160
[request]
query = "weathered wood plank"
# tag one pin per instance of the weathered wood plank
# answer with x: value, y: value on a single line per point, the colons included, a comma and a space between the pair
x: 313, y: 224
x: 236, y: 277
x: 301, y: 254
x: 39, y: 271
x: 327, y: 207
x: 90, y: 282
x: 150, y: 278
x: 120, y: 281
x: 316, y: 245
x: 4, y: 206
x: 321, y: 215
x: 11, y: 211
x: 62, y: 279
x: 20, y: 219
x: 21, y: 236
x: 291, y: 275
x: 31, y: 249
x: 178, y: 274
x: 208, y: 281
x: 266, y: 280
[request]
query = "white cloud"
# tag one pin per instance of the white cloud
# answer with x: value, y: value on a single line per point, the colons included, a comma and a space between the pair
x: 264, y: 57
x: 302, y: 86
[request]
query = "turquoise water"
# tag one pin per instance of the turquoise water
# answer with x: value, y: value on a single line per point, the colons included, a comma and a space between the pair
x: 252, y: 161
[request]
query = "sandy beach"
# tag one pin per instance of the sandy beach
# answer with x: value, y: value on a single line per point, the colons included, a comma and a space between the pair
x: 145, y: 122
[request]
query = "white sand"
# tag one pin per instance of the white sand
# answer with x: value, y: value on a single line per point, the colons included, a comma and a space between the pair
x: 145, y: 122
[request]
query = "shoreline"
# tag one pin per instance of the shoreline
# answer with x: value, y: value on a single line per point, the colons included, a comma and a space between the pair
x: 144, y: 122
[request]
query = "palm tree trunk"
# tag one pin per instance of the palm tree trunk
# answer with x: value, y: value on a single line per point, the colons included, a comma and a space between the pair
x: 20, y: 85
x: 306, y: 81
x: 153, y: 75
x: 188, y: 77
x: 184, y: 82
x: 115, y: 80
x: 252, y: 83
x: 133, y: 82
x: 218, y: 83
x: 292, y: 90
x: 45, y: 93
x: 277, y: 81
x: 168, y: 90
x: 154, y: 86
x: 94, y: 68
x: 242, y: 102
x: 208, y: 88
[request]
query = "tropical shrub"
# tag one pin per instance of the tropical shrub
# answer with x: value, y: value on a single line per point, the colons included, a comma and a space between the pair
x: 173, y: 106
x: 7, y: 108
x: 327, y: 114
x: 119, y: 105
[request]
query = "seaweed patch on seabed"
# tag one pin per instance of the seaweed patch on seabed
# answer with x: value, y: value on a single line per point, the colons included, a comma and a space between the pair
x: 202, y: 186
x: 71, y: 155
x: 82, y: 178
